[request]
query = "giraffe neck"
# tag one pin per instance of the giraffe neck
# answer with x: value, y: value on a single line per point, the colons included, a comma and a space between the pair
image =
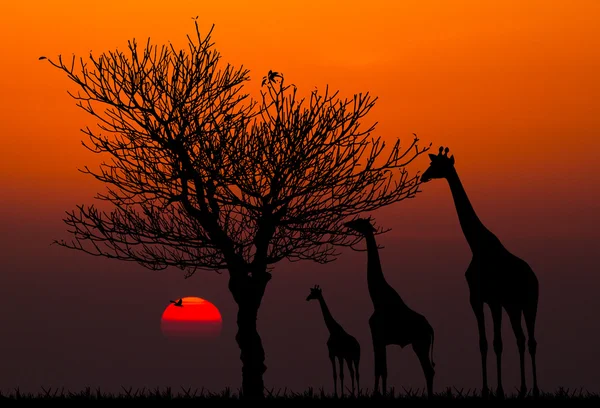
x: 380, y: 291
x: 330, y: 322
x: 475, y: 232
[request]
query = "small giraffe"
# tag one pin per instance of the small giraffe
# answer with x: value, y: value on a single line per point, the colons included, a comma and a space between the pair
x: 341, y: 345
x: 495, y: 276
x: 392, y: 322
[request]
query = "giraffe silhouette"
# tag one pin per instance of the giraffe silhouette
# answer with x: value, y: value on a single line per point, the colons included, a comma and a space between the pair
x: 495, y: 276
x: 392, y: 322
x: 340, y: 344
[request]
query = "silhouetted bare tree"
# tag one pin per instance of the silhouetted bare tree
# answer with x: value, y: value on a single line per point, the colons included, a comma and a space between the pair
x: 204, y: 177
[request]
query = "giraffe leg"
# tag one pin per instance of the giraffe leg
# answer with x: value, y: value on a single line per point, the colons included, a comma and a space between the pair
x: 515, y: 321
x: 421, y: 349
x: 351, y: 369
x: 477, y: 307
x: 341, y: 360
x: 356, y: 364
x: 497, y: 320
x: 530, y: 314
x: 376, y: 326
x: 332, y: 358
x: 380, y: 367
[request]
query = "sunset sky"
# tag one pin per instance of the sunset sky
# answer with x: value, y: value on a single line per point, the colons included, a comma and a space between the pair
x: 512, y: 87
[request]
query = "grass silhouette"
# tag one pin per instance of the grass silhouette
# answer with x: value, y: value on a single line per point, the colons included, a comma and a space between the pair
x: 563, y: 394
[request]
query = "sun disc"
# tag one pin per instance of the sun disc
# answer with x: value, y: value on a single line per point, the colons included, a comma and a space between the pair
x: 195, y: 318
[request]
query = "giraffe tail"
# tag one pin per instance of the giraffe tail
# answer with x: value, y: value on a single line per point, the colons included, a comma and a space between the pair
x: 432, y: 341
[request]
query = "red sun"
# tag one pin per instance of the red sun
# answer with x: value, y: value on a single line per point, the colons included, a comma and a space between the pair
x: 195, y: 318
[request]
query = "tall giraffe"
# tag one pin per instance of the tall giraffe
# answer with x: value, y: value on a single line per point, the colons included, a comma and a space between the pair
x: 495, y: 276
x: 340, y: 344
x: 392, y: 322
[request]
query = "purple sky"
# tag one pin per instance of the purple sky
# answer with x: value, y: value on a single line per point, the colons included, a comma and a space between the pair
x: 73, y: 320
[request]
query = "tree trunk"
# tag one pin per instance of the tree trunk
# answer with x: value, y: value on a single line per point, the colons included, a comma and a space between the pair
x: 248, y: 293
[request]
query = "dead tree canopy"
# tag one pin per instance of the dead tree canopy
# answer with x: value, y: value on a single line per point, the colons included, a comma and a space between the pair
x: 200, y: 175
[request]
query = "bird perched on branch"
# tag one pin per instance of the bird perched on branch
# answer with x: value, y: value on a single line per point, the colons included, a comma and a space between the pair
x: 271, y: 77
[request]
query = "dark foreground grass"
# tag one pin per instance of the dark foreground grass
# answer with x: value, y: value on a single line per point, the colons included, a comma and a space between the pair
x: 144, y: 394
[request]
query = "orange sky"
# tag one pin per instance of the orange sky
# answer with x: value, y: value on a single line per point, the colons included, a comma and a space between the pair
x: 511, y: 86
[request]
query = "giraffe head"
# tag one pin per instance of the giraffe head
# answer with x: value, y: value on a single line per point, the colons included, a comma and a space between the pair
x: 361, y: 225
x: 440, y: 165
x: 315, y: 293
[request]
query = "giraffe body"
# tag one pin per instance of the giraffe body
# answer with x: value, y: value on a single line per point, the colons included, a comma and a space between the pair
x: 495, y: 277
x: 394, y: 327
x: 392, y: 321
x: 342, y: 347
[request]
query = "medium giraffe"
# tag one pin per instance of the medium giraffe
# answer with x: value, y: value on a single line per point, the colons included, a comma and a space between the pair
x: 495, y: 276
x: 341, y: 345
x: 392, y: 322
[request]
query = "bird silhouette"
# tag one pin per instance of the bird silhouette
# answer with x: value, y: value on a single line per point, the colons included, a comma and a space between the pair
x: 271, y: 77
x: 42, y: 57
x: 178, y: 303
